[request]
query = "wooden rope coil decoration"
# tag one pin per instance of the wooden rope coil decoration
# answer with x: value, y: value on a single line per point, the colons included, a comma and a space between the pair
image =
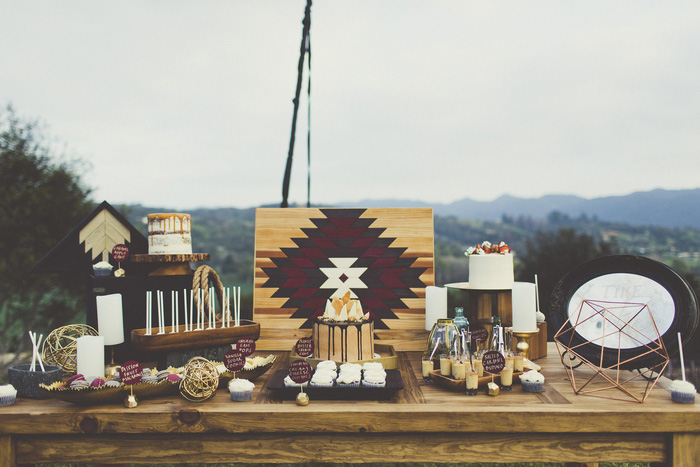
x: 203, y: 275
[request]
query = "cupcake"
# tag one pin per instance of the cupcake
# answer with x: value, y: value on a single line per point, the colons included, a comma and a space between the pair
x: 240, y: 389
x: 683, y: 392
x: 289, y: 382
x: 532, y: 381
x: 8, y: 394
x: 374, y: 378
x: 349, y: 379
x: 322, y: 379
x: 102, y: 269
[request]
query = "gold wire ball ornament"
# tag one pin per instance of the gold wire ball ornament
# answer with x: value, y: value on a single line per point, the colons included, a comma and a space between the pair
x: 200, y: 379
x: 60, y: 347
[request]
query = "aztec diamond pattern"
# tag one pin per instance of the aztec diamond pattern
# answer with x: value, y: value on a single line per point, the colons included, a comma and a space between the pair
x: 344, y: 252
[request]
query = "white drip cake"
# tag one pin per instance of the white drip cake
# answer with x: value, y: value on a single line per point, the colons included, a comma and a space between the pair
x: 169, y: 234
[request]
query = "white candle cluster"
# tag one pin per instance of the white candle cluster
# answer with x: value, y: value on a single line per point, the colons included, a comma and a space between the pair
x: 203, y: 312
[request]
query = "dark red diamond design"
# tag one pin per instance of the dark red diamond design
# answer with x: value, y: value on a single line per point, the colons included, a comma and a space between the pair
x: 343, y: 233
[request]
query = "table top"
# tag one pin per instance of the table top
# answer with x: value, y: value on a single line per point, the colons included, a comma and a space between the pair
x: 418, y: 407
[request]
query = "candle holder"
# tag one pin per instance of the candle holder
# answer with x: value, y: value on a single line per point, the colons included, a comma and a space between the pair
x: 112, y: 368
x: 523, y: 344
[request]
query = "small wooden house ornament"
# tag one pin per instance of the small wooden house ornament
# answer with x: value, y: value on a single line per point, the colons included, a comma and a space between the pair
x: 92, y: 241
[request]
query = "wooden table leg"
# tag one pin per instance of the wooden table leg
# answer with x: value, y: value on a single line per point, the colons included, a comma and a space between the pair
x: 685, y: 450
x: 8, y: 456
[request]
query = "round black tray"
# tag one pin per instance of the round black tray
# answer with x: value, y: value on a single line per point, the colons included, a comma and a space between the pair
x: 682, y: 316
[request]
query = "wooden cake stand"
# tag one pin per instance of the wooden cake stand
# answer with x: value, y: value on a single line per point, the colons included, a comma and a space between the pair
x: 169, y: 265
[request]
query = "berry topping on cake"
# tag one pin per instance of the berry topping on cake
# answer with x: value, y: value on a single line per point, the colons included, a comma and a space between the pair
x: 486, y: 248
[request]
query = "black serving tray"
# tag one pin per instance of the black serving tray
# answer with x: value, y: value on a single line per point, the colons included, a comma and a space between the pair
x: 393, y: 384
x: 683, y: 316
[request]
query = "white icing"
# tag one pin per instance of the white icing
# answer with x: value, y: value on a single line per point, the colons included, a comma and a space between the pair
x: 238, y: 385
x: 682, y: 386
x: 323, y: 377
x: 289, y: 382
x: 491, y: 272
x: 372, y: 366
x: 532, y: 376
x: 8, y: 390
x: 350, y: 367
x: 349, y: 377
x: 326, y: 365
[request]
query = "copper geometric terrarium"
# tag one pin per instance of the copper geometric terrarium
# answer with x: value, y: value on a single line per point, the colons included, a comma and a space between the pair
x: 599, y: 334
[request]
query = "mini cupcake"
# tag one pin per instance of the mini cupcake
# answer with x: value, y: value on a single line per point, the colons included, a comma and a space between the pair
x: 682, y: 392
x: 8, y: 394
x: 532, y: 381
x: 240, y: 389
x: 322, y: 379
x: 374, y: 378
x: 102, y: 269
x: 349, y: 379
x: 289, y: 382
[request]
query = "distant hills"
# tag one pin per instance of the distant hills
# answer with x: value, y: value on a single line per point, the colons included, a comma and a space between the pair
x: 667, y: 208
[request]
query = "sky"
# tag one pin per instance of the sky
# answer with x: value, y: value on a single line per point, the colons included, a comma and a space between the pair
x: 185, y: 104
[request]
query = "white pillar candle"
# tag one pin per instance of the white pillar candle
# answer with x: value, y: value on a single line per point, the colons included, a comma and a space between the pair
x: 91, y: 356
x: 435, y: 305
x: 524, y: 308
x: 110, y: 319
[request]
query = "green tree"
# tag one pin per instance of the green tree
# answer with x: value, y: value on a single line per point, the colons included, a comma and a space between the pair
x: 551, y: 255
x: 41, y: 199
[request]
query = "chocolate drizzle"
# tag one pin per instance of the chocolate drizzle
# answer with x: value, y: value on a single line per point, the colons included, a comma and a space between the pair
x: 345, y: 346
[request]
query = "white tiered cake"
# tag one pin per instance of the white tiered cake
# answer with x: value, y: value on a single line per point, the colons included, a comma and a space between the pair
x: 169, y: 234
x: 490, y: 267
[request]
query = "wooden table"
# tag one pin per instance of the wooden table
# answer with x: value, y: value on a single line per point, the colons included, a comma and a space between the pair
x: 422, y: 423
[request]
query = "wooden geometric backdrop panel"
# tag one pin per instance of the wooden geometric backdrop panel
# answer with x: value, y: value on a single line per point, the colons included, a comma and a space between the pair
x: 303, y: 256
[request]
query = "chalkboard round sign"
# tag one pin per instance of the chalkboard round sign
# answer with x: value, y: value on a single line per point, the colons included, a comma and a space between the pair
x: 120, y: 252
x: 304, y: 347
x: 245, y: 346
x: 131, y: 372
x: 613, y: 308
x: 234, y: 360
x: 493, y: 362
x: 300, y: 371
